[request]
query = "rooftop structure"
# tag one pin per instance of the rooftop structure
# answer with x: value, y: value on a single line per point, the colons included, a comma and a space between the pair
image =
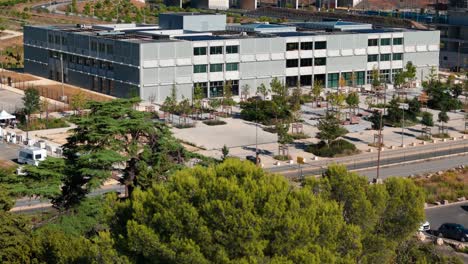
x: 150, y: 59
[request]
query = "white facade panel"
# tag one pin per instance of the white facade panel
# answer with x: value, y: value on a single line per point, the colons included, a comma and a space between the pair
x: 184, y: 80
x: 293, y: 54
x: 385, y: 65
x: 305, y: 70
x: 184, y: 61
x: 292, y: 39
x: 262, y: 57
x: 360, y: 51
x: 200, y: 60
x: 397, y: 35
x: 306, y: 53
x: 320, y: 38
x: 277, y: 56
x: 373, y: 36
x: 216, y: 43
x: 385, y: 49
x: 387, y: 35
x: 397, y: 64
x: 231, y: 42
x: 372, y: 65
x: 372, y: 50
x: 200, y: 44
x: 346, y: 52
x: 231, y: 75
x: 232, y: 57
x: 292, y: 71
x: 410, y: 48
x: 398, y: 49
x: 433, y: 47
x: 150, y: 64
x: 216, y: 58
x: 216, y: 76
x: 421, y: 48
x: 320, y: 69
x: 320, y: 53
x: 200, y: 77
x: 248, y: 57
x: 167, y: 63
x: 333, y: 53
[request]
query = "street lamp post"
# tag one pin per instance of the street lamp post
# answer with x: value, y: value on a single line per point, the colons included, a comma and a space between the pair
x: 404, y: 107
x: 379, y: 148
x: 256, y: 131
x: 61, y: 66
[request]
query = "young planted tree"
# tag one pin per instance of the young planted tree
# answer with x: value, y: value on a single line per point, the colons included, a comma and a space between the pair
x: 352, y: 100
x: 376, y: 81
x: 263, y: 91
x: 197, y: 100
x: 31, y: 103
x: 245, y: 91
x: 282, y: 129
x: 443, y: 118
x: 427, y: 119
x: 224, y: 152
x: 227, y: 101
x: 330, y: 129
x: 316, y: 91
x: 295, y: 103
x: 78, y: 101
x: 399, y: 79
x: 45, y: 108
x: 410, y: 73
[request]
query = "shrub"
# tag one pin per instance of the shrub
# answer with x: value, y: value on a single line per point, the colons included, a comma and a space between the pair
x: 271, y: 129
x: 336, y: 148
x: 297, y: 136
x: 214, y: 122
x: 41, y: 123
x: 441, y: 135
x: 282, y: 157
x: 182, y: 126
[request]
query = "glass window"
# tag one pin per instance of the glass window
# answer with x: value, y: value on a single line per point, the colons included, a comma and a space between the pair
x: 216, y: 50
x: 57, y: 39
x: 385, y: 76
x: 385, y: 57
x: 320, y: 61
x: 291, y: 81
x: 307, y: 45
x: 360, y: 78
x: 232, y: 49
x: 216, y: 89
x: 372, y: 58
x: 292, y: 46
x: 102, y: 47
x: 198, y: 51
x: 93, y: 46
x: 397, y: 56
x: 319, y: 45
x: 110, y: 49
x: 372, y: 42
x: 199, y: 68
x: 306, y: 62
x: 37, y: 156
x: 218, y: 67
x: 51, y: 39
x: 204, y: 87
x: 395, y: 72
x: 232, y: 66
x: 292, y: 63
x: 398, y: 41
x: 385, y: 42
x: 348, y: 77
x: 64, y: 40
x: 234, y: 86
x: 333, y: 80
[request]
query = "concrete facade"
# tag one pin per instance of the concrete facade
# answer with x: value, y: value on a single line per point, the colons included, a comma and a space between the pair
x: 149, y: 65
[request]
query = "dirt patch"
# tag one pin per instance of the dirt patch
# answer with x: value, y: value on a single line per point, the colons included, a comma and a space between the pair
x: 6, y: 164
x: 16, y: 77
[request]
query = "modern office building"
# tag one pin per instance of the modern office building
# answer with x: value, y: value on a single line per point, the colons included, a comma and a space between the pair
x: 454, y: 40
x: 150, y: 59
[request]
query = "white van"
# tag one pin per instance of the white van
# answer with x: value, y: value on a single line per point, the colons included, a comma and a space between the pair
x: 32, y: 155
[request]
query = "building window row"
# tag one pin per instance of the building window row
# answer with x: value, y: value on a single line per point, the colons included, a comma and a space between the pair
x: 318, y: 45
x: 102, y: 47
x: 384, y: 42
x: 384, y: 75
x: 216, y: 67
x: 385, y: 57
x: 215, y: 50
x: 306, y: 62
x: 78, y: 60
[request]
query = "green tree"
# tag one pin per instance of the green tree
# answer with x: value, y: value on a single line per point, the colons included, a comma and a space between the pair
x: 224, y: 152
x: 31, y: 103
x: 330, y: 129
x: 116, y: 138
x: 399, y: 79
x: 376, y: 81
x: 316, y: 91
x: 352, y: 100
x: 197, y: 99
x: 233, y: 212
x: 410, y: 72
x: 245, y: 91
x: 427, y: 119
x: 263, y: 90
x: 78, y: 101
x: 443, y: 118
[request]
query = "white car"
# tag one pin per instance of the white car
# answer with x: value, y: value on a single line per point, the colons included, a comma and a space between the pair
x: 425, y: 227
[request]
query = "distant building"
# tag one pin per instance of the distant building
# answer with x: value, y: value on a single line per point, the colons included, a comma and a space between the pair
x: 210, y: 4
x: 185, y: 50
x: 454, y: 40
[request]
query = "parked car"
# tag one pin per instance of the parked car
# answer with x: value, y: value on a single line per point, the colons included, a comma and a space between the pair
x: 252, y: 159
x: 453, y: 231
x: 425, y: 227
x: 31, y: 155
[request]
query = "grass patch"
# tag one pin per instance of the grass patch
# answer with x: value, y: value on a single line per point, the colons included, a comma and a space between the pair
x: 183, y: 126
x: 424, y: 138
x: 214, y: 122
x: 282, y: 157
x: 441, y: 135
x: 41, y: 123
x: 375, y: 145
x: 297, y: 136
x: 337, y: 148
x: 448, y: 186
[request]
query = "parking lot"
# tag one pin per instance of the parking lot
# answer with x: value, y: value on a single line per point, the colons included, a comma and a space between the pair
x: 8, y: 151
x: 10, y: 101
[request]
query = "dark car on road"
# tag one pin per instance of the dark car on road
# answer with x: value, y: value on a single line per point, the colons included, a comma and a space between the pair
x: 453, y: 231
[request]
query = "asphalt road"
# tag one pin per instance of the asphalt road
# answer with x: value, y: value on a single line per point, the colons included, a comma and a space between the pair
x: 452, y: 213
x: 8, y: 151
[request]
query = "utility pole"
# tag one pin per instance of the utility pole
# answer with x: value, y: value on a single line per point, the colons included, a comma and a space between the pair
x: 256, y: 131
x: 61, y: 66
x: 404, y: 107
x: 380, y: 145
